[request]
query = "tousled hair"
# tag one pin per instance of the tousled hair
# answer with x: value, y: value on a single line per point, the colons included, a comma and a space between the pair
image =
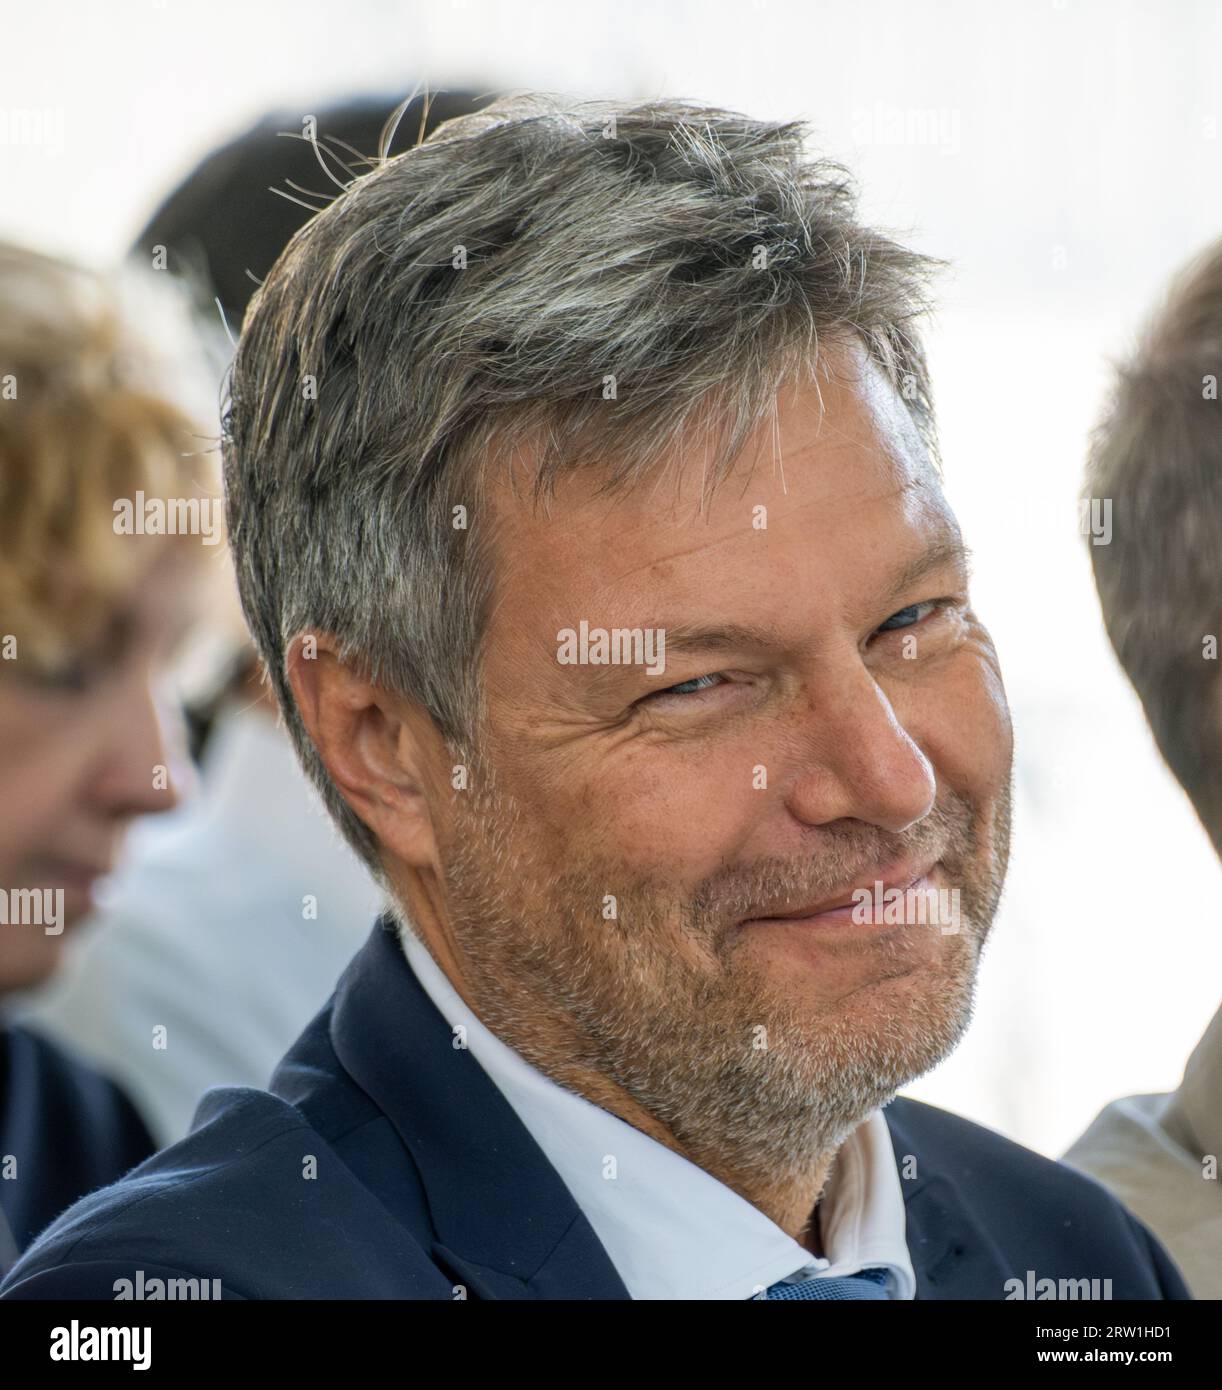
x: 584, y: 283
x: 1157, y: 456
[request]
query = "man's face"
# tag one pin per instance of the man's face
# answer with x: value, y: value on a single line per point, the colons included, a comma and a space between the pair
x: 615, y: 876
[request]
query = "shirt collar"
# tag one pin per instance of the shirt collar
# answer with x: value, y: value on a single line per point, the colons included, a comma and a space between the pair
x: 672, y: 1230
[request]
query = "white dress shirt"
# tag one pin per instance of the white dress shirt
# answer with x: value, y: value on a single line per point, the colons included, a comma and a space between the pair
x: 671, y: 1230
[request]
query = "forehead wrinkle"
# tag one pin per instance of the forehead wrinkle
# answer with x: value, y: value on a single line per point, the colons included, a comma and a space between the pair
x: 677, y: 555
x: 908, y: 484
x: 830, y: 437
x: 913, y: 478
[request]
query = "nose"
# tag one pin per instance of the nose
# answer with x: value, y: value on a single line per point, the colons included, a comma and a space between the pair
x: 145, y: 762
x: 864, y: 764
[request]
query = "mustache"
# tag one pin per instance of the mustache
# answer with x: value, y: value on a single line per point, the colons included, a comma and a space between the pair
x: 846, y: 855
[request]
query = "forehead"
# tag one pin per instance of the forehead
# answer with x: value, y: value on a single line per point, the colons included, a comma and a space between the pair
x: 836, y: 488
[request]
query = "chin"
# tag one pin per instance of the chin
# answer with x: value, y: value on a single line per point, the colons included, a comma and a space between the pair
x: 32, y: 965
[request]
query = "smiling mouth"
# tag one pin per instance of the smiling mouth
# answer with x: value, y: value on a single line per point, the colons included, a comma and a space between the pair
x: 844, y: 908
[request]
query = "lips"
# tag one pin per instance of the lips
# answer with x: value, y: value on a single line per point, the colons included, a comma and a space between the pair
x: 891, y: 876
x: 70, y: 873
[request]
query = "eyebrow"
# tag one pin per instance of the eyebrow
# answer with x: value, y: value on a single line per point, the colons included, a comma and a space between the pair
x: 944, y: 554
x: 689, y: 637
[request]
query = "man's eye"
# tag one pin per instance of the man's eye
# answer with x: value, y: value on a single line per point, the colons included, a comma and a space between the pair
x: 908, y: 617
x: 692, y: 687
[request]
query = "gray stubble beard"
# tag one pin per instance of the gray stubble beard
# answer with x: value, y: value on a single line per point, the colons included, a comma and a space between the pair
x: 703, y: 1042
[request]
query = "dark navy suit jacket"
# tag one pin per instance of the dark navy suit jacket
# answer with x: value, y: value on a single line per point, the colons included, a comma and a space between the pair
x: 383, y: 1163
x: 64, y: 1130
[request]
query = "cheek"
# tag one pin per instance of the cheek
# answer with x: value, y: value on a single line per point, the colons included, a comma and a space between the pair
x: 43, y: 764
x: 678, y: 813
x: 965, y: 724
x: 681, y: 812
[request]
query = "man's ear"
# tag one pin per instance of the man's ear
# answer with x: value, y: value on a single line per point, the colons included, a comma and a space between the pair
x: 381, y: 751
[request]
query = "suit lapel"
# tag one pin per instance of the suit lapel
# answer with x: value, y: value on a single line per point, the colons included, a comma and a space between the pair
x: 953, y: 1255
x: 506, y: 1226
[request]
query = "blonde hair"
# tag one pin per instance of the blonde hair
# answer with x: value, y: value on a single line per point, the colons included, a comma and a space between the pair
x: 104, y: 393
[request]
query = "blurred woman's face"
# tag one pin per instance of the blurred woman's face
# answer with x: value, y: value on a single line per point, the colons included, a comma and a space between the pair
x: 83, y: 751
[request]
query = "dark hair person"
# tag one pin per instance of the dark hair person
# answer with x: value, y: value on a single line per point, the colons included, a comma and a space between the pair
x: 1157, y: 458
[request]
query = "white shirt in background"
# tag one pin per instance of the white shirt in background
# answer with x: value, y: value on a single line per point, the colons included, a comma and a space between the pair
x: 1161, y: 1155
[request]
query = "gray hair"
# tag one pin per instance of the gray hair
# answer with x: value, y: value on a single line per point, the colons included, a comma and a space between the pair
x: 589, y: 282
x: 1157, y: 454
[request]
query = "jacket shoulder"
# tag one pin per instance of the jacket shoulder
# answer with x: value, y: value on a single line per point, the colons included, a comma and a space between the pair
x: 979, y: 1160
x: 1037, y: 1210
x: 70, y: 1128
x: 257, y: 1201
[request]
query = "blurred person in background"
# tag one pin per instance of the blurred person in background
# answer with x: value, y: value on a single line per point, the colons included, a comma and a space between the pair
x: 231, y: 921
x: 1157, y: 461
x: 95, y: 412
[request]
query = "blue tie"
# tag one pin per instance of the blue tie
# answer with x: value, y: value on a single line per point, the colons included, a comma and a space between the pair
x: 870, y: 1283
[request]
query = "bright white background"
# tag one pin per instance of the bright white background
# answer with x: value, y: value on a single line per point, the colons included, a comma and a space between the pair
x: 1069, y: 163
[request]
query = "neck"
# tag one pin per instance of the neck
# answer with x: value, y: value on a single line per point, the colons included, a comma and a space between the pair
x: 790, y: 1200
